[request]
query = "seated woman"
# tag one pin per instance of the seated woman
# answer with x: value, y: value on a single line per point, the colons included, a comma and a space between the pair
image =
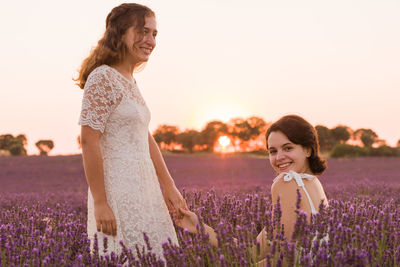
x: 293, y: 149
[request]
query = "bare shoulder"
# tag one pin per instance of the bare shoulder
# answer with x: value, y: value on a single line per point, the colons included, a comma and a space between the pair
x: 283, y: 188
x: 278, y: 179
x: 320, y: 192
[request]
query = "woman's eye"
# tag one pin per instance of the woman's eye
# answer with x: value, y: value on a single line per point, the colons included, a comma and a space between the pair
x: 272, y: 152
x: 288, y: 148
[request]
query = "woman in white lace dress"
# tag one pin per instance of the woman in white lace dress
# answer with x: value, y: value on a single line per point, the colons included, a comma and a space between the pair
x: 123, y: 165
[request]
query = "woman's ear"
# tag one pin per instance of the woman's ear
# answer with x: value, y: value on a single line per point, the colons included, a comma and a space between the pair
x: 307, y: 151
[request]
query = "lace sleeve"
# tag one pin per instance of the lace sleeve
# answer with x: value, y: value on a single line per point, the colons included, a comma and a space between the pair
x: 98, y: 100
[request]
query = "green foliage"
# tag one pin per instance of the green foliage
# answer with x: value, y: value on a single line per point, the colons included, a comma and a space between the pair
x: 166, y: 134
x: 325, y: 138
x: 343, y: 150
x: 5, y: 141
x: 341, y: 134
x: 367, y: 136
x: 385, y: 151
x: 16, y: 149
x: 245, y: 133
x: 189, y: 139
x: 44, y: 146
x: 211, y: 132
x: 256, y: 126
x: 15, y: 145
x: 247, y: 129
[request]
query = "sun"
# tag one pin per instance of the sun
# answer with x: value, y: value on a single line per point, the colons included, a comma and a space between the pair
x: 224, y: 141
x: 224, y: 145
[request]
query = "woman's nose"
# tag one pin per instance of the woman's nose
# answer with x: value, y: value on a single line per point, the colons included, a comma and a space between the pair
x: 151, y: 41
x: 280, y: 155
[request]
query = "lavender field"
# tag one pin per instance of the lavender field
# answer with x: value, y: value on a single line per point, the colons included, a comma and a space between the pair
x: 43, y: 214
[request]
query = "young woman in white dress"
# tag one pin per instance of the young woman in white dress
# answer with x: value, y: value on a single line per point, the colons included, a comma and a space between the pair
x: 293, y: 149
x: 123, y: 164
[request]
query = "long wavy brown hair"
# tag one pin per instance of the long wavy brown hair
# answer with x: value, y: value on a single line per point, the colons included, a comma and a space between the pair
x: 111, y: 49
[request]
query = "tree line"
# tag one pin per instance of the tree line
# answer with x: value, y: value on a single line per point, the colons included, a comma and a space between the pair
x: 244, y: 134
x: 342, y: 141
x: 15, y: 145
x: 248, y: 135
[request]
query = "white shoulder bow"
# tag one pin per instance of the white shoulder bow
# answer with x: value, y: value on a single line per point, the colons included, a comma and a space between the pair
x: 288, y: 176
x: 298, y: 177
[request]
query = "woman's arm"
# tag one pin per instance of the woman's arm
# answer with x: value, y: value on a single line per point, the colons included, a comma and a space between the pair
x: 287, y: 193
x: 93, y: 165
x: 190, y: 221
x: 173, y: 197
x: 159, y: 164
x: 260, y: 251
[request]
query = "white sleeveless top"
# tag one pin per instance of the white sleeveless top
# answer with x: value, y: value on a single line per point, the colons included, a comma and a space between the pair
x: 288, y: 176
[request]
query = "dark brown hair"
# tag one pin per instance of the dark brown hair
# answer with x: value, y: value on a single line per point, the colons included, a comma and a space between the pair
x: 301, y: 132
x: 111, y: 49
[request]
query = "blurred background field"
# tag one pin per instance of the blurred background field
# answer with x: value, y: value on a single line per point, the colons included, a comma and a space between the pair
x: 226, y: 173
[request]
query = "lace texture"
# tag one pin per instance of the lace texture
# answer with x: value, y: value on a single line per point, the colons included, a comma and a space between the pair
x: 114, y: 106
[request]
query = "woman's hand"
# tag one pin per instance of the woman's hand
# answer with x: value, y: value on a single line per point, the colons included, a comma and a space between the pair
x: 189, y: 221
x: 174, y: 201
x: 105, y: 219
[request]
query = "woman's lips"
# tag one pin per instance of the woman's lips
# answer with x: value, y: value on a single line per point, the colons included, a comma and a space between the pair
x: 284, y: 166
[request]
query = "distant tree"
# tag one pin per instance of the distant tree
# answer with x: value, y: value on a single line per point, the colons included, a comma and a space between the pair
x: 22, y: 142
x: 5, y: 141
x: 17, y: 148
x: 44, y: 146
x: 247, y: 129
x: 398, y: 143
x: 240, y: 129
x: 385, y: 151
x: 367, y: 136
x: 165, y: 134
x: 344, y: 150
x: 189, y: 139
x: 15, y: 145
x: 23, y: 139
x: 380, y: 142
x: 211, y: 132
x: 246, y: 133
x: 325, y: 138
x: 256, y: 126
x: 341, y: 134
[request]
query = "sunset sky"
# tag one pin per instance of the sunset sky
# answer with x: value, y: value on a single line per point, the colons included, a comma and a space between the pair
x: 332, y: 62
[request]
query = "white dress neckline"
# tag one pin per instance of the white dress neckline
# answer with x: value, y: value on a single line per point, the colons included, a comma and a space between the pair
x: 120, y: 74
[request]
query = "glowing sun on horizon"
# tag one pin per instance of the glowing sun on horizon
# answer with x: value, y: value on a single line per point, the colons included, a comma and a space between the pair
x: 224, y: 145
x: 224, y: 141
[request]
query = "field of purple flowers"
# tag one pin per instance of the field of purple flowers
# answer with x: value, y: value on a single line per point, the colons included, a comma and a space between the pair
x: 43, y: 215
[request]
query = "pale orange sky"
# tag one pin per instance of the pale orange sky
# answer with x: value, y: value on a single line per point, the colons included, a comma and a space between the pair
x: 333, y: 62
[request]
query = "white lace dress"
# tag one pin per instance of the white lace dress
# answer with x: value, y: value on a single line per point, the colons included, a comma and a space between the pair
x: 113, y: 105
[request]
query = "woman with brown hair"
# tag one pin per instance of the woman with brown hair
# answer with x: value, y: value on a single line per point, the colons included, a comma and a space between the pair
x: 293, y: 148
x: 123, y: 164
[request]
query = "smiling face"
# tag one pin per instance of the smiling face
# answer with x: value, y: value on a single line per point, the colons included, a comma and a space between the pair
x: 286, y: 156
x: 141, y: 42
